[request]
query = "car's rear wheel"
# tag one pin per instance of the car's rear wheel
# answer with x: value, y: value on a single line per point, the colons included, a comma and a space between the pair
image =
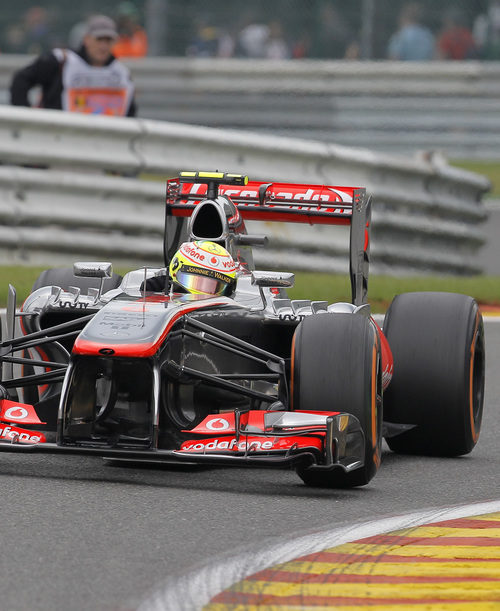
x: 336, y: 366
x: 437, y: 340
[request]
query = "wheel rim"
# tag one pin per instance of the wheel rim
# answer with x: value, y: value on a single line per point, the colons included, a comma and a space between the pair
x: 477, y: 381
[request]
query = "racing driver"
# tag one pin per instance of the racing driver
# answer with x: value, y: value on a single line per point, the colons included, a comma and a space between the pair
x: 90, y: 81
x: 199, y: 268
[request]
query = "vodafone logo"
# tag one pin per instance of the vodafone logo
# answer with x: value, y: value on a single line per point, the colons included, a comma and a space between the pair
x: 228, y: 444
x: 193, y: 252
x: 217, y: 424
x: 16, y: 413
x: 19, y: 435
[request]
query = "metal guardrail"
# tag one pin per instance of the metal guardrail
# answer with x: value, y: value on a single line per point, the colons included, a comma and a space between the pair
x: 395, y: 107
x: 427, y: 215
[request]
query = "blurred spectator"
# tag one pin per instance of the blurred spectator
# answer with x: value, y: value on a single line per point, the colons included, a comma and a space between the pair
x: 276, y: 46
x: 412, y: 41
x: 14, y: 39
x: 252, y: 40
x: 132, y: 38
x: 227, y: 44
x: 302, y: 46
x: 90, y: 81
x: 353, y: 51
x: 264, y: 41
x: 455, y: 41
x: 31, y: 35
x: 333, y: 35
x: 486, y: 32
x: 210, y: 41
x: 205, y: 42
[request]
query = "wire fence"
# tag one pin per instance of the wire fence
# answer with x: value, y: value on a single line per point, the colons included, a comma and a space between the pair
x: 329, y: 29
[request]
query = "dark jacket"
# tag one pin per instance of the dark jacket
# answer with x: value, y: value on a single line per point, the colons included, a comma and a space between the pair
x: 46, y: 71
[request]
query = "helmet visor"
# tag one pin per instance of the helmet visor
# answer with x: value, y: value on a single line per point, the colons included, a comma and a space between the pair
x: 207, y: 285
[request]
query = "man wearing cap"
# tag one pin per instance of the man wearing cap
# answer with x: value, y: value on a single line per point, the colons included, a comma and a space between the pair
x: 90, y: 80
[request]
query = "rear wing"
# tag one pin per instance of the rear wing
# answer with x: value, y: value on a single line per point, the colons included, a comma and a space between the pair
x: 282, y: 202
x: 277, y: 201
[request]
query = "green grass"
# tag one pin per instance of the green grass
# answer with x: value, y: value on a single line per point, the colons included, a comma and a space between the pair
x: 21, y: 278
x: 489, y: 169
x: 382, y: 289
x: 331, y: 288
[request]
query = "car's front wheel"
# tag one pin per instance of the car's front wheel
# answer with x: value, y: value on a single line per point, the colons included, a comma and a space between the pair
x: 336, y: 366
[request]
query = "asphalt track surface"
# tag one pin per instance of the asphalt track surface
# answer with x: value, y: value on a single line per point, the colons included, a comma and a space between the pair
x: 79, y: 534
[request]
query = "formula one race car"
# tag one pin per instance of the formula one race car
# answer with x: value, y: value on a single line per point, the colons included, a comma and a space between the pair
x: 209, y: 361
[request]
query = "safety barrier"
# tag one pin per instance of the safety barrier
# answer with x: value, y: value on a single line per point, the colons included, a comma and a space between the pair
x: 396, y: 107
x: 427, y: 215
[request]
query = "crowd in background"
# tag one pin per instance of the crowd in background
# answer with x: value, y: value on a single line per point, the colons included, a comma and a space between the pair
x: 34, y: 33
x: 458, y: 37
x: 413, y: 40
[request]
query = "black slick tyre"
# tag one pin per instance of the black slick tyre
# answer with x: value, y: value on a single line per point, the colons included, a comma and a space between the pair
x: 64, y: 278
x: 437, y: 341
x: 336, y: 367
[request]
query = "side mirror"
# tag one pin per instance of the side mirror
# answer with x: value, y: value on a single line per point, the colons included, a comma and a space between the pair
x: 92, y: 269
x: 282, y: 280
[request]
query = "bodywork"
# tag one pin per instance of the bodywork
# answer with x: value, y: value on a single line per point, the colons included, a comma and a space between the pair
x: 177, y: 377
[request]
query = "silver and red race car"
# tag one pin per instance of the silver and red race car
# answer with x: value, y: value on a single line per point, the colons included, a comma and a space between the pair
x: 93, y: 363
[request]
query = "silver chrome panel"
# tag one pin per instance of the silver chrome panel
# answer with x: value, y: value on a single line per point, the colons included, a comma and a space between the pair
x: 283, y: 420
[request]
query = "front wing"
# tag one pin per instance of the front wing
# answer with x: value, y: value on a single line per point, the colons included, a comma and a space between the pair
x: 318, y: 440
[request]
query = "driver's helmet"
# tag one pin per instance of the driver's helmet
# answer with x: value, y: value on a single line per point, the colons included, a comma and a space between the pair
x: 203, y: 268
